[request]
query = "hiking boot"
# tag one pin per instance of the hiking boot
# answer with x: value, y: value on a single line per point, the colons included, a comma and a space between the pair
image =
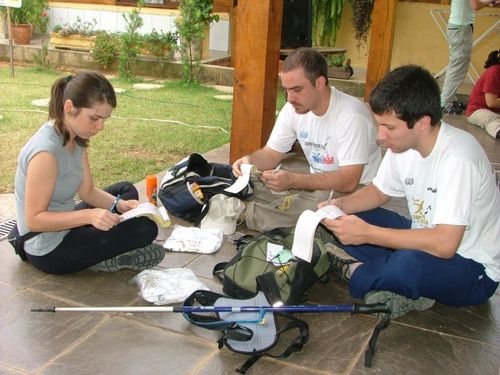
x: 138, y: 259
x: 340, y: 261
x: 454, y: 108
x: 399, y: 305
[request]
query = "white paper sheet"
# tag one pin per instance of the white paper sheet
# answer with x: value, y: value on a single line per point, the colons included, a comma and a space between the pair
x: 304, y: 234
x: 242, y: 181
x: 330, y: 212
x: 303, y: 239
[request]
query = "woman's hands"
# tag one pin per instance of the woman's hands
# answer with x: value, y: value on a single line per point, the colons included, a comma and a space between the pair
x: 104, y: 219
x: 123, y: 205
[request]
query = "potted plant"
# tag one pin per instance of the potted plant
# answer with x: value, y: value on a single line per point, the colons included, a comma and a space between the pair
x: 339, y: 66
x: 159, y: 44
x: 78, y: 35
x: 195, y: 18
x: 31, y: 14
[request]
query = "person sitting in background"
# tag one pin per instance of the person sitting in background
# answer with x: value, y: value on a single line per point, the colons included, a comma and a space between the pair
x: 53, y: 166
x: 336, y: 133
x: 483, y: 108
x: 460, y: 44
x: 448, y: 250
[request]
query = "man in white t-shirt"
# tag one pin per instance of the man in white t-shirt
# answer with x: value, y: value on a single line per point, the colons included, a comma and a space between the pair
x: 449, y: 249
x: 336, y: 134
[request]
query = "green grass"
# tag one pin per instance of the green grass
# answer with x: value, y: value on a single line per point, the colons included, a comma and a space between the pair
x: 128, y: 148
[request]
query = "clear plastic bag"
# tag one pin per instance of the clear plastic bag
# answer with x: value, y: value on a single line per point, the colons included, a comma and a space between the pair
x: 163, y: 287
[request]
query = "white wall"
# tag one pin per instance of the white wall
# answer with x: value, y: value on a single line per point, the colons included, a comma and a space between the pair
x: 111, y: 19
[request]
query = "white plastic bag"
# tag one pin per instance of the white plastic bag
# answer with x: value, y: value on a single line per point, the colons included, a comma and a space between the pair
x: 170, y: 285
x: 194, y: 240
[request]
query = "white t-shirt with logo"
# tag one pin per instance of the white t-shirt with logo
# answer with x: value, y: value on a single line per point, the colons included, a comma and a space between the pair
x: 453, y: 185
x: 344, y: 135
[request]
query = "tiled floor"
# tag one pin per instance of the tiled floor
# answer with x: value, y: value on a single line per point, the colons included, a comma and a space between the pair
x: 442, y: 340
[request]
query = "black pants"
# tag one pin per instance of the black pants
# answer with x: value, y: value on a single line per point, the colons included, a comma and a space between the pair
x: 85, y: 246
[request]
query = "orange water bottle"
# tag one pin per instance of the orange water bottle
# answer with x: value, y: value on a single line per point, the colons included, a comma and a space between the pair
x: 151, y: 183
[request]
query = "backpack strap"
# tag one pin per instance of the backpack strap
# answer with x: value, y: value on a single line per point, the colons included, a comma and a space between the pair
x: 268, y: 285
x: 218, y: 271
x: 295, y: 346
x: 231, y: 330
x: 17, y: 241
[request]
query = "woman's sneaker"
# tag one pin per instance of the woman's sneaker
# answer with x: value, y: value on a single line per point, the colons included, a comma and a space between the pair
x: 400, y: 305
x: 138, y: 259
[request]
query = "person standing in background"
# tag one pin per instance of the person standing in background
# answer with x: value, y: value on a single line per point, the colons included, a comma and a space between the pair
x: 459, y: 34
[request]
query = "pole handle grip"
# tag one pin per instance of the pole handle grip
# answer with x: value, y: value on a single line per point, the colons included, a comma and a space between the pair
x: 371, y: 308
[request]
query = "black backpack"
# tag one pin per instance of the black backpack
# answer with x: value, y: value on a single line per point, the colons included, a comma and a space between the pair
x: 188, y: 186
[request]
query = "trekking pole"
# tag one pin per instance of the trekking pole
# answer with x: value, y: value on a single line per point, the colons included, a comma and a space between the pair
x: 262, y: 310
x: 381, y: 308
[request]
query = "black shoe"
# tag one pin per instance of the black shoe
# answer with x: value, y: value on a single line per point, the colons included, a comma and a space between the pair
x: 460, y: 105
x: 138, y: 260
x: 340, y: 261
x: 454, y: 108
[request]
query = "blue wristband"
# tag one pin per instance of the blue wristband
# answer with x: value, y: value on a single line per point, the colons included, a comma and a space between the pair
x: 115, y: 203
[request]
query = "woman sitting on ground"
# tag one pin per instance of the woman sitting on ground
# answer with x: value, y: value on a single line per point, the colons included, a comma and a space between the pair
x: 483, y: 108
x: 54, y: 166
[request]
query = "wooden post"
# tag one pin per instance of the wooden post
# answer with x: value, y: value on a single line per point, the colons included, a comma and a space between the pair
x: 205, y: 44
x: 256, y: 64
x: 381, y: 40
x: 11, y: 49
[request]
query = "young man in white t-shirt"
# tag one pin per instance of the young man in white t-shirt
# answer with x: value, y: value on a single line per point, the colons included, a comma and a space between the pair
x: 449, y: 249
x: 336, y: 133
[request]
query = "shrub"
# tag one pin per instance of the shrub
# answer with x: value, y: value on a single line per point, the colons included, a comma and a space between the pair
x: 336, y: 60
x: 195, y: 17
x: 160, y: 44
x: 130, y: 41
x: 106, y: 48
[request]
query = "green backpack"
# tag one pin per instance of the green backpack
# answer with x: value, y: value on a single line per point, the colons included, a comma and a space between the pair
x: 249, y: 271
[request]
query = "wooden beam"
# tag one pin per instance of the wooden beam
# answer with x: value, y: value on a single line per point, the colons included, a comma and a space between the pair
x: 381, y: 40
x: 223, y: 5
x: 256, y: 63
